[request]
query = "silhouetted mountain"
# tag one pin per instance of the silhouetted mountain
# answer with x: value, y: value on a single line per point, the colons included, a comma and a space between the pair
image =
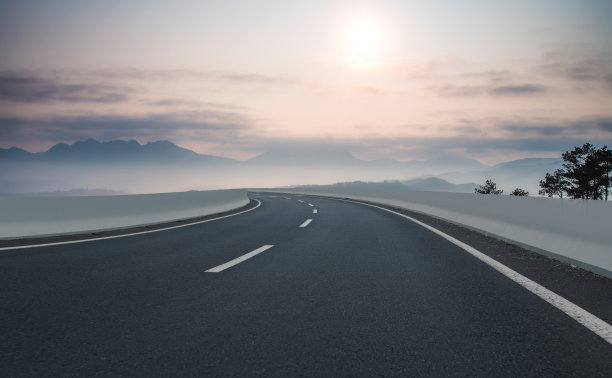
x: 14, y: 153
x: 168, y: 149
x: 116, y: 151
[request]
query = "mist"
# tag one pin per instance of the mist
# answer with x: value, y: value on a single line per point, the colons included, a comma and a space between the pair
x: 134, y: 178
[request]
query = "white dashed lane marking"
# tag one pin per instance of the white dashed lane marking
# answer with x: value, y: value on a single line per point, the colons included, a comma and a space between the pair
x: 238, y: 260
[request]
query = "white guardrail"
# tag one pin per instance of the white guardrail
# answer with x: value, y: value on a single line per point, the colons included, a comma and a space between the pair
x: 575, y: 231
x: 44, y: 216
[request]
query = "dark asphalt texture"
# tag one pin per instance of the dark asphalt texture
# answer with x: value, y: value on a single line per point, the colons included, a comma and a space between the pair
x: 359, y: 292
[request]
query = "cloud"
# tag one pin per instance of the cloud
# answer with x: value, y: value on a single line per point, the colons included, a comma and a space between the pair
x: 410, y: 148
x: 532, y: 136
x: 460, y: 90
x: 587, y: 71
x: 175, y: 74
x: 480, y: 90
x: 606, y: 125
x: 416, y: 70
x: 584, y: 127
x: 180, y: 102
x: 467, y: 129
x: 209, y: 126
x: 431, y: 147
x: 172, y: 102
x: 10, y: 128
x: 139, y: 74
x: 426, y: 69
x: 528, y: 137
x: 256, y: 79
x: 227, y: 133
x: 517, y: 90
x: 491, y: 76
x: 544, y: 130
x: 588, y: 125
x: 20, y: 87
x: 374, y: 91
x: 369, y: 90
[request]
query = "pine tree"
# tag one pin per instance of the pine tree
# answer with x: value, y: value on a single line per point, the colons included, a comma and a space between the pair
x: 604, y: 159
x: 581, y: 170
x: 489, y: 187
x: 586, y: 174
x: 554, y: 185
x: 519, y: 192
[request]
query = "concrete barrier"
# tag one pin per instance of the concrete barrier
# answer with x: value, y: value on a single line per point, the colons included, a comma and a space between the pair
x: 43, y: 216
x: 575, y: 231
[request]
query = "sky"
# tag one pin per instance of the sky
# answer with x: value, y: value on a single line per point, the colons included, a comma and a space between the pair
x: 485, y: 79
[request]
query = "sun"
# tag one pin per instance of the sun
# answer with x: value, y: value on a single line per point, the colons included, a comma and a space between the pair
x: 364, y: 38
x: 364, y: 43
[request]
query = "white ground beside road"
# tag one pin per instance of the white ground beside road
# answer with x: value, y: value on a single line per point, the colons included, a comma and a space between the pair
x: 38, y: 216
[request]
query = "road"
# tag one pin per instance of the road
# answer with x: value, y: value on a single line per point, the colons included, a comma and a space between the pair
x: 357, y: 291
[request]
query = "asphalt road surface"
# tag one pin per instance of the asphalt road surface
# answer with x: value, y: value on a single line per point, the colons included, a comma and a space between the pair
x: 357, y: 291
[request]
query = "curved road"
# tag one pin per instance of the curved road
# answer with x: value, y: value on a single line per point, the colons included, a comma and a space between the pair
x: 357, y: 291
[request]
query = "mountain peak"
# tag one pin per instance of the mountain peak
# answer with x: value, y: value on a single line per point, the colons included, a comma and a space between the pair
x: 58, y: 147
x: 162, y: 142
x: 162, y: 147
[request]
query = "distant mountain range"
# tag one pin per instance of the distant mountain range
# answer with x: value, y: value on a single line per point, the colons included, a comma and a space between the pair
x: 128, y: 166
x: 430, y: 184
x: 130, y: 151
x: 116, y: 151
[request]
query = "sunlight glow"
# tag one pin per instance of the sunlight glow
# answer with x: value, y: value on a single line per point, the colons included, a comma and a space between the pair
x: 364, y: 38
x: 364, y: 42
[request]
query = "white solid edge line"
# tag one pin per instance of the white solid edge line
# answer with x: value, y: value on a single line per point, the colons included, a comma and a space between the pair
x: 238, y: 260
x: 582, y: 316
x: 132, y: 234
x: 306, y: 223
x: 314, y: 211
